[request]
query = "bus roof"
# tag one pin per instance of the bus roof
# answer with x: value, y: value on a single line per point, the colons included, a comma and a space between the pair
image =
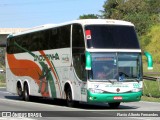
x: 103, y: 21
x: 83, y: 22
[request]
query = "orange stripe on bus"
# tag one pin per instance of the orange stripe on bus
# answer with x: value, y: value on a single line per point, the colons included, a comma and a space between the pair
x: 25, y: 68
x: 53, y: 70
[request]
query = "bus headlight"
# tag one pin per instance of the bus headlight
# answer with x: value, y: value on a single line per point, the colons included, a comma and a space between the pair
x: 95, y: 90
x: 136, y: 90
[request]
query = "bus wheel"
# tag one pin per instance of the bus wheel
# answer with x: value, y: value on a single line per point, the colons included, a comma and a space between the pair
x: 114, y: 105
x: 20, y: 92
x: 26, y: 93
x: 70, y: 102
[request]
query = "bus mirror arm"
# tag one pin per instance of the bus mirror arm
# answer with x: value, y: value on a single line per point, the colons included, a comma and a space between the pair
x: 149, y: 60
x: 88, y: 61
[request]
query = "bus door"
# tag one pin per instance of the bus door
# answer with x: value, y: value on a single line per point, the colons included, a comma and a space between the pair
x: 84, y: 91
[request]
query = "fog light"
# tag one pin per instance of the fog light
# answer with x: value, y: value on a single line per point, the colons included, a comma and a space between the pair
x: 91, y: 98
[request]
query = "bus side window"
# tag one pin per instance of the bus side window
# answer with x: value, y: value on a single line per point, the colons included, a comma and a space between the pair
x: 10, y: 46
x: 83, y: 70
x: 78, y: 49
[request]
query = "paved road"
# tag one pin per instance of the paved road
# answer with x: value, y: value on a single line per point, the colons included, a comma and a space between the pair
x: 57, y: 109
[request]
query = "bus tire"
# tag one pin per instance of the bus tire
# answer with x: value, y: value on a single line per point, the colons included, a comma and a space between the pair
x: 19, y: 91
x: 69, y: 100
x: 26, y: 93
x: 114, y: 105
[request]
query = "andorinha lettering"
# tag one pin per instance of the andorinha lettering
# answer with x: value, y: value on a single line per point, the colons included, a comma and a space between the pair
x: 42, y: 58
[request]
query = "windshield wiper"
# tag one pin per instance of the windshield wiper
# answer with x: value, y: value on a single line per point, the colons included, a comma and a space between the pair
x: 135, y: 79
x: 110, y: 80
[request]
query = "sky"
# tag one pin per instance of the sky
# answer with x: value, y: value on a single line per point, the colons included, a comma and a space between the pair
x: 31, y: 13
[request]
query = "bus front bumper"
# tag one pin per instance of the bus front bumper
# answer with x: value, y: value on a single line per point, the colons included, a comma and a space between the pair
x: 113, y: 97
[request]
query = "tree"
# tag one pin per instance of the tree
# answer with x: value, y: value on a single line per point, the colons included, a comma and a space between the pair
x: 88, y: 16
x: 135, y: 11
x: 154, y: 6
x: 110, y: 8
x: 142, y: 13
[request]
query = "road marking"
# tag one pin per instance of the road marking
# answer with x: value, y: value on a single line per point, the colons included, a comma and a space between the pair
x: 150, y: 102
x: 5, y: 92
x: 2, y: 87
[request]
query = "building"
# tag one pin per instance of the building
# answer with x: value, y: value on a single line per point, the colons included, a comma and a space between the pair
x: 4, y: 32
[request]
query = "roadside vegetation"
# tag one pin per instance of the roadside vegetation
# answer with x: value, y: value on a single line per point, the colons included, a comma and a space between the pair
x: 151, y: 89
x: 150, y: 99
x: 2, y: 80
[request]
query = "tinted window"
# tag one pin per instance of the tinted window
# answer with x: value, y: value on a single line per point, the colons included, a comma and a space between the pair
x: 78, y: 45
x: 60, y: 37
x: 10, y: 45
x: 78, y: 48
x: 42, y: 40
x: 38, y: 41
x: 109, y: 36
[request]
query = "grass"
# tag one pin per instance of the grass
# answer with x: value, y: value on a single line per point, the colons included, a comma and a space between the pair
x: 150, y: 99
x: 2, y: 84
x: 2, y: 80
x: 151, y: 88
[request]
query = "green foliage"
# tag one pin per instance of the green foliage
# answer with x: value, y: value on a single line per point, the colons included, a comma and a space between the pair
x: 89, y: 16
x: 121, y: 8
x: 110, y: 8
x: 150, y: 99
x: 154, y: 6
x: 135, y: 11
x: 2, y: 78
x: 154, y: 45
x: 151, y: 88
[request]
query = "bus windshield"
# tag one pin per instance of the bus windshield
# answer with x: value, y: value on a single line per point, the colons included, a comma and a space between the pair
x: 111, y: 37
x: 123, y: 67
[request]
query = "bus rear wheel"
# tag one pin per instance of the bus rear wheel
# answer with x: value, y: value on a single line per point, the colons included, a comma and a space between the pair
x: 114, y: 105
x: 20, y: 92
x: 26, y: 93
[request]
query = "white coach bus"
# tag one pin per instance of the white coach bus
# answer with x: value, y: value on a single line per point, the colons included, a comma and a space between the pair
x: 90, y: 60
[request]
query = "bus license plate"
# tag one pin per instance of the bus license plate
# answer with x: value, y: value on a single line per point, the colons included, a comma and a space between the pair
x: 117, y: 98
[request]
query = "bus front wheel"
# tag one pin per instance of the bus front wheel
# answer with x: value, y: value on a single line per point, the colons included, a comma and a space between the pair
x: 70, y: 102
x: 114, y: 105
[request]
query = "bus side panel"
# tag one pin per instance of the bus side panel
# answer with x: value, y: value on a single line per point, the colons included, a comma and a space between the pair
x: 59, y: 62
x: 44, y: 71
x: 63, y: 72
x: 76, y: 89
x: 10, y: 82
x: 22, y: 68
